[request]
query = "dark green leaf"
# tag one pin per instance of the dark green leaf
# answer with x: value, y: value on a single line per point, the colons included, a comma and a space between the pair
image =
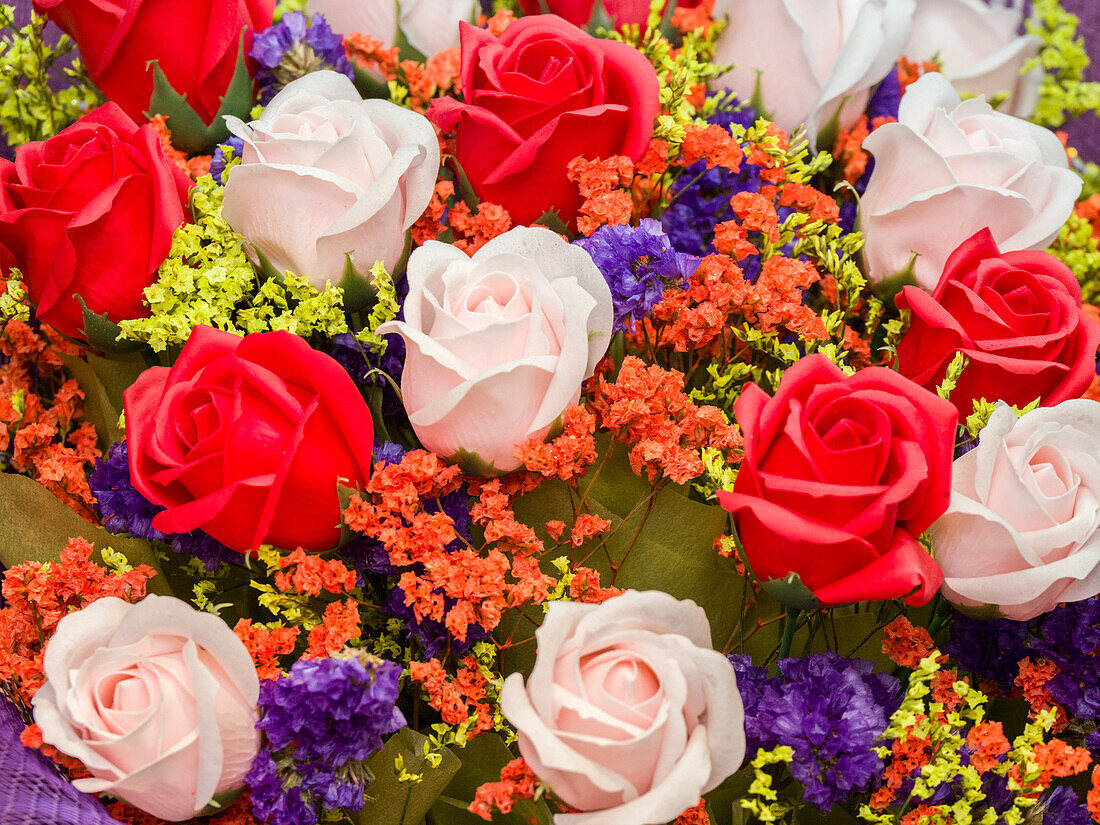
x: 600, y: 19
x: 463, y: 188
x: 369, y: 86
x: 35, y: 526
x: 392, y: 802
x: 189, y: 133
x: 102, y: 333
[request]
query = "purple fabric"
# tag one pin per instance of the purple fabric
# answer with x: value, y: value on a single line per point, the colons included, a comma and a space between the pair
x: 1084, y: 132
x: 32, y: 791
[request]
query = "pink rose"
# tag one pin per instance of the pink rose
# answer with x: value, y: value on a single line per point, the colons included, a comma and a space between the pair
x: 951, y: 167
x: 498, y: 344
x: 810, y: 61
x: 629, y: 714
x: 979, y: 46
x: 326, y: 175
x: 1023, y: 529
x: 156, y: 699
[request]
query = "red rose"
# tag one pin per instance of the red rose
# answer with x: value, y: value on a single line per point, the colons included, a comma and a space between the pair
x: 541, y: 94
x: 1016, y: 317
x: 246, y: 439
x: 195, y: 43
x: 91, y: 211
x: 578, y: 12
x: 840, y: 476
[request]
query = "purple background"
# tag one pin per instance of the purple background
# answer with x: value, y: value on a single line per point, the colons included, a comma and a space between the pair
x: 1084, y: 131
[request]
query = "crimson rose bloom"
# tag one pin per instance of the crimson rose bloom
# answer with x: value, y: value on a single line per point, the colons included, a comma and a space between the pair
x: 840, y: 476
x: 91, y: 211
x: 541, y: 94
x: 578, y: 12
x: 246, y: 439
x: 194, y: 41
x: 1016, y: 317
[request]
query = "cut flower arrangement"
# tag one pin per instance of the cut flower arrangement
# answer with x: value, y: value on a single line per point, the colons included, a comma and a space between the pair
x: 616, y: 413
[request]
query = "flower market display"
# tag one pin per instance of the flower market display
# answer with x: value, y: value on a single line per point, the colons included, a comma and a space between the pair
x: 565, y: 412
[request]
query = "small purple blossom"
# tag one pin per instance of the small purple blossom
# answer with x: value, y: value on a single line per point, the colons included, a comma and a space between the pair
x: 637, y: 263
x: 219, y: 160
x: 321, y: 722
x: 1064, y: 807
x: 294, y: 47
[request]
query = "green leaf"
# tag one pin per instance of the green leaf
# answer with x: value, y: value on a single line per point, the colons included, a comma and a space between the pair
x: 103, y: 381
x: 369, y: 86
x: 482, y: 759
x: 463, y: 188
x: 189, y: 133
x: 656, y: 542
x: 392, y: 802
x: 599, y: 19
x: 35, y: 526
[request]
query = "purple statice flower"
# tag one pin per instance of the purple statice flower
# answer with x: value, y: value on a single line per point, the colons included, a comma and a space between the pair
x: 321, y: 722
x: 886, y: 99
x: 832, y: 712
x: 294, y: 47
x: 122, y: 508
x: 125, y: 510
x: 1068, y: 636
x: 1092, y: 742
x: 218, y: 159
x: 756, y: 688
x: 699, y: 199
x: 1063, y: 806
x: 990, y: 649
x: 359, y: 362
x: 637, y: 263
x: 33, y: 791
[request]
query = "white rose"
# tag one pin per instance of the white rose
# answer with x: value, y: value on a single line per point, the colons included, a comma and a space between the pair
x: 1023, y: 528
x: 325, y: 174
x: 629, y: 714
x: 498, y: 344
x: 980, y: 49
x: 429, y: 25
x: 813, y: 59
x: 951, y: 167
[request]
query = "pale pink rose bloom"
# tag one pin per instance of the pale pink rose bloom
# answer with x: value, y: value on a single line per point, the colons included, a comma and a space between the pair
x: 1023, y: 528
x: 811, y: 60
x: 629, y: 714
x: 429, y: 25
x: 498, y: 343
x: 949, y: 168
x: 980, y: 48
x: 325, y: 174
x: 157, y: 699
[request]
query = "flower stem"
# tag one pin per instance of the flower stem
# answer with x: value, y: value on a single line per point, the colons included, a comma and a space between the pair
x: 789, y: 625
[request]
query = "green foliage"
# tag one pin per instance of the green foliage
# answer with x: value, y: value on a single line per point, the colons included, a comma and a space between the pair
x: 208, y: 279
x: 1064, y: 93
x: 29, y: 109
x: 1077, y: 248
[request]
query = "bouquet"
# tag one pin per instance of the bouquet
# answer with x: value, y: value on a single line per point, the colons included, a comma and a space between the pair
x: 590, y: 413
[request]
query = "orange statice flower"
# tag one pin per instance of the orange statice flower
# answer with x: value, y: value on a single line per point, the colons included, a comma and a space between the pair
x: 697, y: 18
x: 368, y: 53
x: 266, y: 645
x: 194, y: 167
x: 905, y: 643
x: 38, y: 596
x: 1057, y: 760
x: 568, y: 456
x: 604, y: 183
x: 585, y: 587
x: 516, y: 782
x: 647, y: 409
x: 986, y: 741
x: 712, y: 144
x: 457, y: 697
x: 1092, y: 800
x: 339, y: 625
x: 695, y: 815
x: 309, y: 574
x: 586, y: 526
x: 473, y: 230
x: 1032, y: 680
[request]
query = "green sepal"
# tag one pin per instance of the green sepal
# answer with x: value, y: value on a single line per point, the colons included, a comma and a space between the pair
x: 463, y: 188
x: 551, y: 219
x: 888, y: 288
x: 189, y: 133
x: 357, y: 289
x: 220, y: 801
x: 102, y: 333
x: 369, y: 86
x: 103, y: 381
x: 790, y: 591
x: 599, y: 19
